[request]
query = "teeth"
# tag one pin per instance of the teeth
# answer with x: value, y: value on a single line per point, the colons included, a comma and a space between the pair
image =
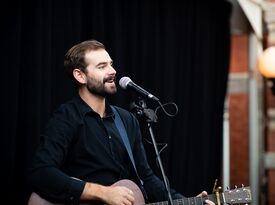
x: 110, y: 80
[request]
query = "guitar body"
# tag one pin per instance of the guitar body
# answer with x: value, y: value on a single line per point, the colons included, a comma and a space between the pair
x: 35, y: 199
x: 139, y: 199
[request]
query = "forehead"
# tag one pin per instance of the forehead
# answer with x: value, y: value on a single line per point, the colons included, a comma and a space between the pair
x: 95, y: 57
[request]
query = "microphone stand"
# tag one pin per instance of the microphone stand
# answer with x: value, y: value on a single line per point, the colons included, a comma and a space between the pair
x: 151, y: 117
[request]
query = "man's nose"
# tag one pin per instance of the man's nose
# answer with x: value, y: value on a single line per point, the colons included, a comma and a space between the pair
x: 112, y: 69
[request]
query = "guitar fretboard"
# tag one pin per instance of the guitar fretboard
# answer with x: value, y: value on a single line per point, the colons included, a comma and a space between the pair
x: 190, y: 201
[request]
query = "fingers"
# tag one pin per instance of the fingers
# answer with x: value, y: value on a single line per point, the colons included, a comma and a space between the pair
x: 119, y: 195
x: 203, y: 193
x: 209, y: 202
x: 129, y: 191
x: 128, y: 197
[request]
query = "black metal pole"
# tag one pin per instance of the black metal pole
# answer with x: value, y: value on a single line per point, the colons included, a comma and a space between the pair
x: 160, y: 164
x: 150, y: 115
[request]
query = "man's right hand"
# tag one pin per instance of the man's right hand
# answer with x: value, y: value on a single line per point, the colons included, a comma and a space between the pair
x: 112, y: 195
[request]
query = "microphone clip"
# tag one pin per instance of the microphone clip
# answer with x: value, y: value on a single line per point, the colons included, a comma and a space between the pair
x: 141, y: 110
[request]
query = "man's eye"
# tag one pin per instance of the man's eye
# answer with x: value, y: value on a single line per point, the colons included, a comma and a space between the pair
x: 101, y: 67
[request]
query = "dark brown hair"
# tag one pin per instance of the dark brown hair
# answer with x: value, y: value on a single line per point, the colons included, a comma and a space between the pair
x: 75, y: 57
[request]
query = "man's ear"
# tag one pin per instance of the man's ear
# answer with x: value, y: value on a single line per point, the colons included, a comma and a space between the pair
x: 79, y: 76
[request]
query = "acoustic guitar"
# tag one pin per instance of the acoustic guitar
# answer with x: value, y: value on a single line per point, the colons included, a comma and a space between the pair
x: 235, y: 196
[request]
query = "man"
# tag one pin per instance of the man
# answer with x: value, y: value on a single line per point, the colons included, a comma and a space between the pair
x: 81, y: 153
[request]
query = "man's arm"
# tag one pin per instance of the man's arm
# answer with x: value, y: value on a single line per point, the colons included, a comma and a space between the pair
x: 45, y: 175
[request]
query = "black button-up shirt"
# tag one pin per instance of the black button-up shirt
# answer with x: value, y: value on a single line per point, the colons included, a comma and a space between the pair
x: 79, y: 146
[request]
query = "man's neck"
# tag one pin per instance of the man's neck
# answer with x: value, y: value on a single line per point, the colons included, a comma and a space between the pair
x: 97, y: 103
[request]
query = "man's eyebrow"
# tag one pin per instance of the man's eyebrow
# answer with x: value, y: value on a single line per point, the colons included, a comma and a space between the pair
x: 101, y: 63
x: 104, y: 63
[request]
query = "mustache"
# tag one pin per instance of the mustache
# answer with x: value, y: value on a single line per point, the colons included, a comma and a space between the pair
x: 109, y: 78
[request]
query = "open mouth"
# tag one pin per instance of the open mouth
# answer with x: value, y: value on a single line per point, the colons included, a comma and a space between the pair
x: 110, y: 79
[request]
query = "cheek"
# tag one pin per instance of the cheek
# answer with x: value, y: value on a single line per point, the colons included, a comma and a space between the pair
x: 93, y: 76
x: 97, y: 75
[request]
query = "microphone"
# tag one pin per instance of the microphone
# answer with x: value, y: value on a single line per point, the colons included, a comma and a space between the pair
x: 126, y: 82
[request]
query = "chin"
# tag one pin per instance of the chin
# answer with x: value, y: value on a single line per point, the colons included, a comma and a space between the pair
x: 113, y: 92
x: 110, y: 91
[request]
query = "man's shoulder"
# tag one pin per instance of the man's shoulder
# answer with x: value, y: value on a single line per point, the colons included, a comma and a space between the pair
x: 72, y: 107
x: 67, y: 105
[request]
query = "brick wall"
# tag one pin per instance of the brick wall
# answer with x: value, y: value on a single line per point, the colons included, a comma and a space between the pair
x: 238, y: 114
x: 239, y: 121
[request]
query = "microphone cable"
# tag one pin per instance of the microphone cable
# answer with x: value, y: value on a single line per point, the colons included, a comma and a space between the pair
x: 162, y: 106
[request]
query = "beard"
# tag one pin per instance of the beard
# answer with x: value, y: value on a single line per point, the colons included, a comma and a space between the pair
x: 102, y: 89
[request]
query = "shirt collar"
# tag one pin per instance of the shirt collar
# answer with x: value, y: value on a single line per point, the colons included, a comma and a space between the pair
x: 85, y: 108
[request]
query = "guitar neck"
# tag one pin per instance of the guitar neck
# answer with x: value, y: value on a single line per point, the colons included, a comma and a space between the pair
x: 192, y: 200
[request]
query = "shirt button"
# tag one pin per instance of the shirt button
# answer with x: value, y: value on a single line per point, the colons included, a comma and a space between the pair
x: 110, y: 137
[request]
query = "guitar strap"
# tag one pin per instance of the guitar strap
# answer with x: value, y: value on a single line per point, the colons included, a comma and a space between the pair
x: 123, y: 134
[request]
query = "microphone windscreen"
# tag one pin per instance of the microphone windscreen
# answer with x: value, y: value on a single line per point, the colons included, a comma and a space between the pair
x: 124, y: 81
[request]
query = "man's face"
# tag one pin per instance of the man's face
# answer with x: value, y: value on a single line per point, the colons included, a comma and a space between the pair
x: 101, y: 75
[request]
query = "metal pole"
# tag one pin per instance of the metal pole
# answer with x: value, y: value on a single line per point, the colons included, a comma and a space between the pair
x: 226, y: 147
x: 255, y: 122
